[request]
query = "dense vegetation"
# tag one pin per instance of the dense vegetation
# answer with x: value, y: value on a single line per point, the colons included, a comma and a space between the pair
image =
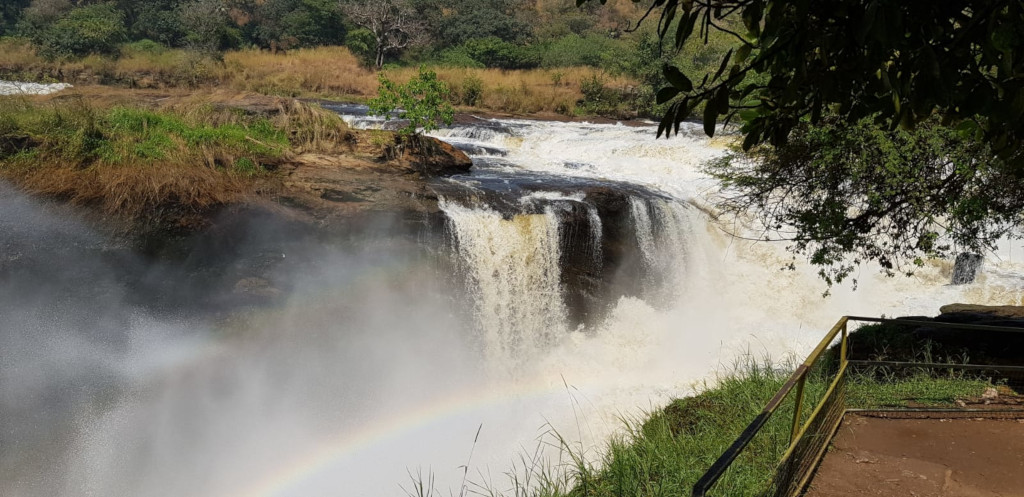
x: 577, y: 61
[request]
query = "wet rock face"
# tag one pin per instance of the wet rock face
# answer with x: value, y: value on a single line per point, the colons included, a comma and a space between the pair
x: 599, y: 254
x: 966, y: 268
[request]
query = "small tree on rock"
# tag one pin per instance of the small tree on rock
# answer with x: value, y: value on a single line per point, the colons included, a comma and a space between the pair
x: 423, y: 101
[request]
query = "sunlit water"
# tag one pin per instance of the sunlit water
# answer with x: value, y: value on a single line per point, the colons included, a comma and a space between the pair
x: 370, y: 372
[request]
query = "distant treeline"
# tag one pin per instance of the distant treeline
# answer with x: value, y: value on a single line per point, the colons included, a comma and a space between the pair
x: 493, y: 33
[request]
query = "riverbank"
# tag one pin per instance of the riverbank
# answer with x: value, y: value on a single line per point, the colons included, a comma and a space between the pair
x: 171, y: 159
x: 332, y: 73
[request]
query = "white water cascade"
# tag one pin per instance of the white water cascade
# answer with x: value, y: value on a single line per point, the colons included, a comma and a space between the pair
x: 514, y: 277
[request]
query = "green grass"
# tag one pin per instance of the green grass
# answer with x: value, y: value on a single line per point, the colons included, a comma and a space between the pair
x: 921, y: 390
x: 124, y: 135
x: 135, y: 158
x: 666, y: 454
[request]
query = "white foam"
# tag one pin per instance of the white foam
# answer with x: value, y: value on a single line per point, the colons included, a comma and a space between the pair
x: 23, y: 88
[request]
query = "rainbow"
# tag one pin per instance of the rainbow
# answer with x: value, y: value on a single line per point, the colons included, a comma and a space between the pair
x: 346, y: 443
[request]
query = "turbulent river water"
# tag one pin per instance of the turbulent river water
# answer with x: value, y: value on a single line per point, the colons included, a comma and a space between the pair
x: 374, y: 370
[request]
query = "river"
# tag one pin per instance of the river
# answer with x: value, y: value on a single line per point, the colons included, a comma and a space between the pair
x: 375, y: 370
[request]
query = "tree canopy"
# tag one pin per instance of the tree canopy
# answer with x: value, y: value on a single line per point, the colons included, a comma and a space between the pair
x: 898, y: 62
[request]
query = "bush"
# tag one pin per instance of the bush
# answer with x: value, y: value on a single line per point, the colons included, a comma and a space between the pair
x: 423, y: 101
x: 95, y: 29
x: 458, y: 57
x: 471, y: 91
x: 493, y: 52
x: 143, y: 47
x: 597, y: 98
x: 362, y: 44
x: 575, y: 50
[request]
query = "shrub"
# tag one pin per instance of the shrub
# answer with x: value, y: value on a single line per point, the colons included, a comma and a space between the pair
x: 458, y: 57
x: 423, y: 101
x: 597, y: 98
x: 362, y: 44
x: 143, y: 47
x: 575, y: 50
x: 471, y: 91
x: 493, y: 52
x: 96, y: 29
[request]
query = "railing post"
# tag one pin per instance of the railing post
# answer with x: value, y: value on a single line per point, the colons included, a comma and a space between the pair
x: 843, y: 346
x: 799, y: 407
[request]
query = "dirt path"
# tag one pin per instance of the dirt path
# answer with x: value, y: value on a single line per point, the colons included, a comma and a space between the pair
x: 880, y: 457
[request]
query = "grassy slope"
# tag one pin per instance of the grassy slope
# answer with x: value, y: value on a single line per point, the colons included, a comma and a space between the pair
x: 131, y: 158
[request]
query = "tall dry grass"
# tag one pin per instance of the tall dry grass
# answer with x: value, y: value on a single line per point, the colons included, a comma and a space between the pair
x: 322, y: 72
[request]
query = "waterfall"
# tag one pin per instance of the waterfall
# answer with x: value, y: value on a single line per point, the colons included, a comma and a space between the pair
x: 644, y: 231
x: 662, y: 228
x: 596, y: 230
x: 513, y: 275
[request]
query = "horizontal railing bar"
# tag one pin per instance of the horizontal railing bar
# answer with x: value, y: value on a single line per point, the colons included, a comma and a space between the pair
x: 937, y: 365
x: 937, y: 410
x: 939, y: 324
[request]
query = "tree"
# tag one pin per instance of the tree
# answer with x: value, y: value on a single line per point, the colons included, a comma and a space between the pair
x: 423, y: 101
x: 157, y: 20
x: 874, y: 129
x: 97, y: 28
x: 454, y: 22
x: 10, y: 12
x: 207, y: 25
x: 843, y: 193
x: 393, y: 23
x: 290, y: 23
x: 898, y: 62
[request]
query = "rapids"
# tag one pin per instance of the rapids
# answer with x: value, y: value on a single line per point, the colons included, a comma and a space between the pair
x: 376, y: 368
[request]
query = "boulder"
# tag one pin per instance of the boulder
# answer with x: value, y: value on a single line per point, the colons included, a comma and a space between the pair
x: 1002, y: 311
x: 433, y: 157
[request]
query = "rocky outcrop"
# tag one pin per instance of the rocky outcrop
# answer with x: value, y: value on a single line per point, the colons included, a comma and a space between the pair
x: 896, y: 341
x: 1000, y: 311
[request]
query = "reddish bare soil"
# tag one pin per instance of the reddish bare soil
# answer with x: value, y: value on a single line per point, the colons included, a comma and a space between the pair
x: 967, y: 457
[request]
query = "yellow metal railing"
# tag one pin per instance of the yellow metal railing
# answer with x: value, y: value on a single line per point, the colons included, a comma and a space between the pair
x: 809, y: 438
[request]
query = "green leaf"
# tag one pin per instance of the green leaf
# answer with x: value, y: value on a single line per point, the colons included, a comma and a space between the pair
x: 752, y: 138
x: 710, y: 115
x: 666, y: 94
x: 725, y: 63
x: 677, y: 79
x: 743, y: 53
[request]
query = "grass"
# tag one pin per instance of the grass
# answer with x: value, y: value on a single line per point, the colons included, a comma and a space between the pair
x: 866, y: 391
x: 136, y: 158
x: 666, y: 454
x: 322, y: 72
